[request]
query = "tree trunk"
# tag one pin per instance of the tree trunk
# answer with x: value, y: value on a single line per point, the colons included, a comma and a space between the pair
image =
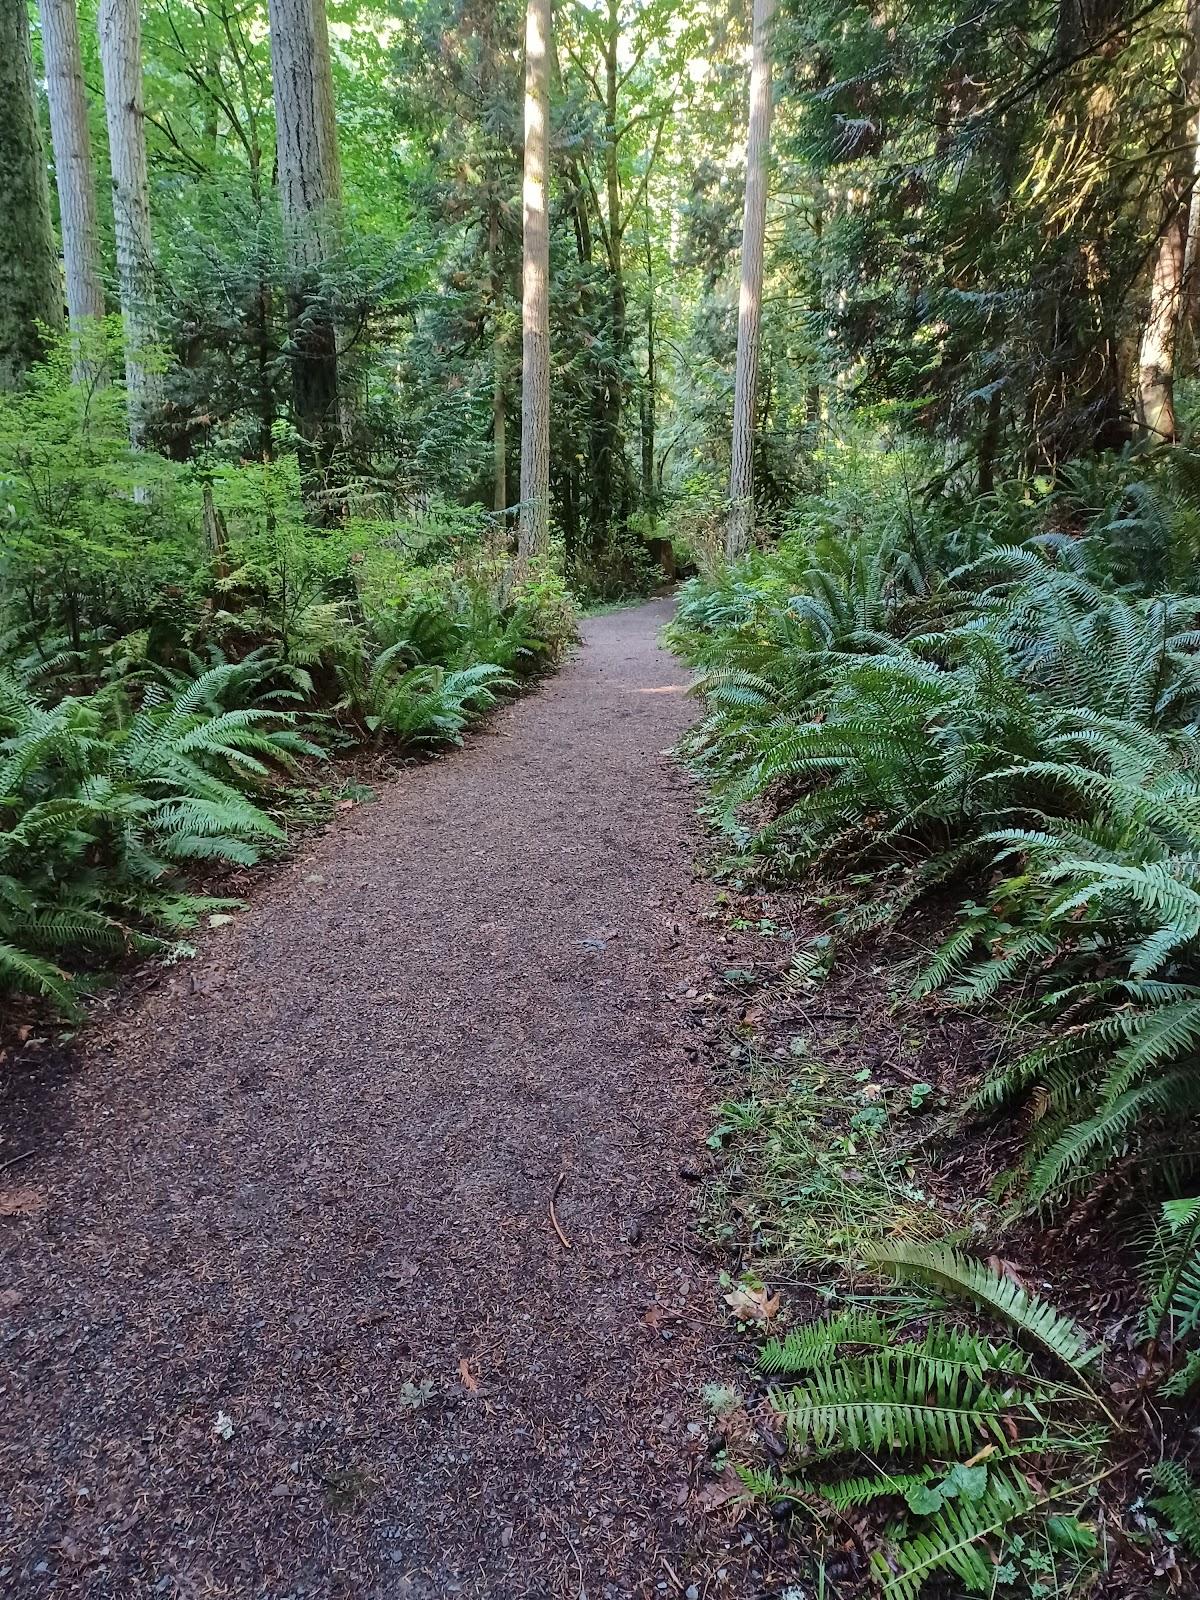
x: 989, y: 442
x: 608, y: 498
x: 29, y: 280
x: 816, y: 306
x: 1160, y: 335
x: 1169, y: 285
x: 499, y: 418
x: 533, y: 534
x: 741, y: 476
x: 650, y: 396
x: 310, y: 189
x: 73, y: 169
x: 119, y: 26
x: 499, y: 435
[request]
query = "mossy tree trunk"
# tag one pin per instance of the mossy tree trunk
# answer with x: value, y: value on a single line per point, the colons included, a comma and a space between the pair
x: 30, y: 290
x: 310, y: 188
x: 1169, y: 288
x: 73, y: 171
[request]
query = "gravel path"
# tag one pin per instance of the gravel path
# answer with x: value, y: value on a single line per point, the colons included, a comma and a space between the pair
x: 284, y: 1310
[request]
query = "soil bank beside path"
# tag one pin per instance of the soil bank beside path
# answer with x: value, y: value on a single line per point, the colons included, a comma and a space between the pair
x: 284, y: 1312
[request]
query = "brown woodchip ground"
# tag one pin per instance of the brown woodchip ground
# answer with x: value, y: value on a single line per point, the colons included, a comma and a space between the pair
x: 284, y: 1312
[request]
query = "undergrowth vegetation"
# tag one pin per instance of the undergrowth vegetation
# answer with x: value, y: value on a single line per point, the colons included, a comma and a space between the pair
x: 175, y: 640
x: 978, y: 715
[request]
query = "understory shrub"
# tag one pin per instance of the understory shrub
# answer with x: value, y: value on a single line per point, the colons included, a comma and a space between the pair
x: 925, y: 690
x: 998, y: 698
x: 174, y: 637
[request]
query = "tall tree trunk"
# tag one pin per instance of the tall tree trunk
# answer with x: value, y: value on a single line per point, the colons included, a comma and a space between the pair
x: 1160, y: 334
x: 649, y: 394
x: 310, y: 188
x: 119, y: 26
x: 1169, y: 289
x: 741, y: 475
x: 608, y: 498
x: 989, y: 442
x: 29, y: 281
x: 499, y: 434
x: 499, y: 418
x: 73, y: 169
x: 816, y: 307
x: 533, y: 533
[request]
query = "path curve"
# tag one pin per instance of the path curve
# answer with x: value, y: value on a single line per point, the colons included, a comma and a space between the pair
x: 285, y: 1312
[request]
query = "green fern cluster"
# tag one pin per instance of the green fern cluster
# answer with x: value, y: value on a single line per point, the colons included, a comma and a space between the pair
x: 102, y: 806
x: 963, y: 1430
x: 1178, y: 1501
x: 418, y: 705
x: 914, y: 693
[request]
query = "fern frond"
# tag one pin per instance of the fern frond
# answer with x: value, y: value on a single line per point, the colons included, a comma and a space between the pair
x: 947, y: 1270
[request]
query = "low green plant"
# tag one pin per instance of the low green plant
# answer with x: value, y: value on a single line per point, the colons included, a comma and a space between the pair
x: 975, y: 1448
x: 105, y: 805
x: 419, y: 705
x: 914, y: 691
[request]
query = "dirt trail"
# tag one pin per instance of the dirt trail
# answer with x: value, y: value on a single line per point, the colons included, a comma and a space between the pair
x: 284, y: 1311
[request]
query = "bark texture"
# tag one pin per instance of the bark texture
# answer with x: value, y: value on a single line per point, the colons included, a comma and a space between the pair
x: 29, y: 279
x: 533, y: 534
x: 499, y: 417
x: 119, y: 26
x: 609, y: 499
x: 73, y: 170
x: 758, y: 143
x: 1174, y: 260
x: 310, y: 189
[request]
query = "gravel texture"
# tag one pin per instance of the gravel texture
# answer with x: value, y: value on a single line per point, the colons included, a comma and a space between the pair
x: 284, y: 1308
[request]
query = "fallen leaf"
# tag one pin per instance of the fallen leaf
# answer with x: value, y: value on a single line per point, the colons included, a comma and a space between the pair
x: 1006, y: 1269
x: 465, y: 1376
x: 720, y: 1492
x: 22, y: 1203
x: 752, y: 1305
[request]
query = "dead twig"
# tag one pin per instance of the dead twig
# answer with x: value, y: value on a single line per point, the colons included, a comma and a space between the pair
x: 12, y: 1160
x: 570, y: 1544
x: 565, y: 1242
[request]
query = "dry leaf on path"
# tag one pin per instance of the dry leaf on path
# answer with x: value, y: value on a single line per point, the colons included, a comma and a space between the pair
x: 752, y: 1305
x: 720, y: 1492
x: 22, y: 1203
x: 465, y: 1376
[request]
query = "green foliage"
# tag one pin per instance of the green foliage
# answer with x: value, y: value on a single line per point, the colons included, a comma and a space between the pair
x: 920, y: 689
x: 948, y: 1271
x: 103, y: 805
x: 420, y: 705
x: 947, y: 1416
x: 171, y: 637
x: 1173, y: 1272
x: 94, y: 538
x: 1179, y: 1502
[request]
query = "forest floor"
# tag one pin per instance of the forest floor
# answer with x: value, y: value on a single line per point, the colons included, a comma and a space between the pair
x: 288, y: 1302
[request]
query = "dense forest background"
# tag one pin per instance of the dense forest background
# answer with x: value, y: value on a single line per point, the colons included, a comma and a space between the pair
x: 978, y: 222
x: 981, y: 231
